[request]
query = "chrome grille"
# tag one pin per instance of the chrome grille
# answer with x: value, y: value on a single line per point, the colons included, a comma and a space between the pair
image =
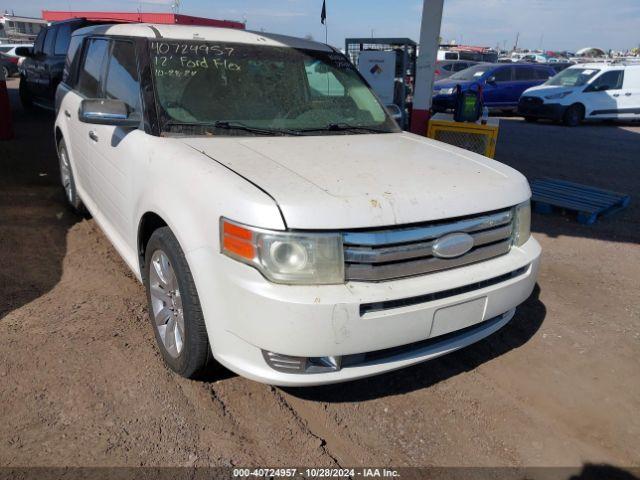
x: 396, y: 253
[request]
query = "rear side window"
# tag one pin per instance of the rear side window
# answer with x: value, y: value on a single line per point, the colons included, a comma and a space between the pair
x: 542, y: 74
x: 122, y: 75
x: 62, y: 39
x: 525, y: 73
x: 91, y: 71
x: 50, y: 41
x: 5, y: 49
x: 460, y: 66
x: 503, y: 74
x: 72, y: 60
x: 447, y: 67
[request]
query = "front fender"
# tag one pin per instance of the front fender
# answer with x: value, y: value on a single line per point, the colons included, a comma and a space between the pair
x: 190, y: 192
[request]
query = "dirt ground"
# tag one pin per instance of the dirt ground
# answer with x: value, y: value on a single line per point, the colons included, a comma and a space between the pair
x: 83, y: 384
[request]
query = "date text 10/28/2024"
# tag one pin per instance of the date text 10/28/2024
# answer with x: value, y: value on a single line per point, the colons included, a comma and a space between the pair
x: 315, y: 473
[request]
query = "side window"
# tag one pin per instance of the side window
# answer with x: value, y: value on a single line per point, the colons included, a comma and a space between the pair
x: 460, y: 66
x: 542, y: 74
x: 91, y: 71
x: 50, y: 41
x: 62, y: 39
x: 448, y: 67
x: 503, y: 74
x: 39, y: 43
x: 122, y: 75
x: 611, y: 80
x: 72, y: 60
x: 524, y: 73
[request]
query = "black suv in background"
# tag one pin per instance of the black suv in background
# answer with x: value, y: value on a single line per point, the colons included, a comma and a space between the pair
x: 41, y: 71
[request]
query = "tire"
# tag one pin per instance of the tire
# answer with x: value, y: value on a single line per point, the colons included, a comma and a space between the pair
x: 5, y: 71
x: 573, y: 116
x: 174, y: 307
x: 531, y: 119
x: 67, y: 179
x: 25, y: 96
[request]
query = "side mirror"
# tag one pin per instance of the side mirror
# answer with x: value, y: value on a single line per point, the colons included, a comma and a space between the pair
x: 24, y: 52
x: 394, y: 111
x: 491, y: 80
x: 108, y: 112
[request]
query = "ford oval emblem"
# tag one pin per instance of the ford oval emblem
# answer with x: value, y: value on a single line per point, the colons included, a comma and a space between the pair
x: 452, y: 245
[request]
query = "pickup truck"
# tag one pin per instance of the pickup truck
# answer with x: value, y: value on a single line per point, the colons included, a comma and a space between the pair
x: 280, y: 221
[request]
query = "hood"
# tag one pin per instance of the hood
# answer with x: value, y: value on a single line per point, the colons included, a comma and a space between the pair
x: 356, y: 181
x: 546, y: 90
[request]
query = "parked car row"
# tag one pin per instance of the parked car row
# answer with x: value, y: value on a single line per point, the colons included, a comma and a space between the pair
x: 579, y: 92
x: 501, y: 84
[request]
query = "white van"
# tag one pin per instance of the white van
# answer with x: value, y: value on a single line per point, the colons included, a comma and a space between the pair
x: 280, y: 221
x: 585, y: 92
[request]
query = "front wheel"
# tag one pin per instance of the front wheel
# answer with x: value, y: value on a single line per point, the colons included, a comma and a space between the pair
x: 174, y: 307
x: 573, y: 115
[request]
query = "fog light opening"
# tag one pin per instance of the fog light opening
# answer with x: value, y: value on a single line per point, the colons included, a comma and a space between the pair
x: 291, y: 364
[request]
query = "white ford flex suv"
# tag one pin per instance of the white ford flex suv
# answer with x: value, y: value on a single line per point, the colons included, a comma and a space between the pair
x: 280, y: 221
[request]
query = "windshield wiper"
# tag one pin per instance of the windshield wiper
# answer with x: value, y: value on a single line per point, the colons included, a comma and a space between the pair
x: 226, y: 125
x: 342, y: 127
x: 241, y: 126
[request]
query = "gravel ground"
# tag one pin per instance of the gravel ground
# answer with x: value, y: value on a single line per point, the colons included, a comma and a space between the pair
x: 83, y: 383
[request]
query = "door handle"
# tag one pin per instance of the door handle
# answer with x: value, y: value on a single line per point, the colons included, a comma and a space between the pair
x: 93, y: 136
x: 67, y: 114
x: 628, y: 94
x: 616, y: 94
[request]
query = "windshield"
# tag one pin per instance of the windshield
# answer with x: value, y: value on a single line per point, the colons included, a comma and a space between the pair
x: 240, y: 89
x: 471, y: 73
x: 572, y: 77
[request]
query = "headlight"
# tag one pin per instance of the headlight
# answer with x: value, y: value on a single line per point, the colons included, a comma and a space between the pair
x: 558, y: 95
x: 285, y: 257
x: 522, y: 223
x: 446, y: 91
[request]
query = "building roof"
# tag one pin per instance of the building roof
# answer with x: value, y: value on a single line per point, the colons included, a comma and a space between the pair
x: 138, y: 17
x: 15, y: 18
x: 213, y: 34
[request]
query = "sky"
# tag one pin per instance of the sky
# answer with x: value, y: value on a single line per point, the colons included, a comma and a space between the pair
x: 547, y: 24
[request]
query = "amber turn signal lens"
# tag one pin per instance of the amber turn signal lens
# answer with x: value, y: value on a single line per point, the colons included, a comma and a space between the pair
x: 238, y: 240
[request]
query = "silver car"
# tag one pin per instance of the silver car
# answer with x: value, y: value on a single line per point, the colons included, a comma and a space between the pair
x: 446, y: 68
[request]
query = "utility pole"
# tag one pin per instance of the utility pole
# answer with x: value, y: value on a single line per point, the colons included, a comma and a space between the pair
x: 426, y: 64
x: 515, y: 47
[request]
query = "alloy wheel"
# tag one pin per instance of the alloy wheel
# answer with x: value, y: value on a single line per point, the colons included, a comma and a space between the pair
x: 166, y: 303
x: 65, y: 173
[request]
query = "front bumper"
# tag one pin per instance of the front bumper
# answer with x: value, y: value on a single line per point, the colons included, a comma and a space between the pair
x: 442, y: 103
x: 378, y: 327
x: 551, y: 111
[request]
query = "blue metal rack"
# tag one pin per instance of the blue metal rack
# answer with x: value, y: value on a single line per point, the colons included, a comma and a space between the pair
x: 589, y: 202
